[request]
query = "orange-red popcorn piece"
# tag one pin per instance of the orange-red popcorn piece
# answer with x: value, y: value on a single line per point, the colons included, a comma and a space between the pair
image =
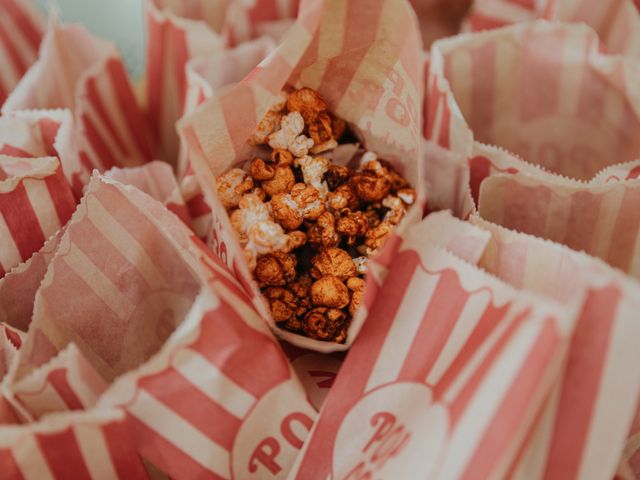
x: 333, y: 261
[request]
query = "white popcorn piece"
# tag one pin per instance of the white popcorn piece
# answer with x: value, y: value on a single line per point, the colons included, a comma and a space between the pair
x: 361, y: 265
x: 313, y: 170
x: 290, y: 136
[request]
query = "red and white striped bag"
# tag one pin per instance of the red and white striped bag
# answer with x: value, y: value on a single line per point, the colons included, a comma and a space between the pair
x: 86, y: 75
x: 581, y: 431
x: 35, y: 202
x: 365, y: 61
x: 132, y: 295
x: 542, y: 91
x: 157, y: 180
x: 21, y: 30
x: 597, y: 218
x: 43, y: 133
x: 446, y: 377
x: 180, y: 31
x: 205, y: 76
x: 19, y: 286
x: 616, y: 22
x: 177, y: 32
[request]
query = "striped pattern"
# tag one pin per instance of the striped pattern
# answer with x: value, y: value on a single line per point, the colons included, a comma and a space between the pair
x: 157, y: 180
x: 18, y: 287
x: 617, y: 22
x: 21, y: 30
x: 222, y: 361
x: 68, y: 382
x: 489, y: 14
x: 85, y: 446
x: 581, y: 431
x: 336, y: 48
x: 216, y: 376
x: 175, y: 36
x: 488, y: 354
x: 109, y: 284
x: 10, y: 342
x: 35, y: 202
x: 109, y: 128
x: 204, y: 77
x: 575, y: 116
x: 600, y: 219
x: 42, y: 133
x: 244, y: 21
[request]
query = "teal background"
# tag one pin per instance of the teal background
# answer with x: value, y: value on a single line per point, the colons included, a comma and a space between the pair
x: 121, y: 21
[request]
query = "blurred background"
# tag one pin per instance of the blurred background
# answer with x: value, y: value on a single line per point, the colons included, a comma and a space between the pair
x: 121, y: 21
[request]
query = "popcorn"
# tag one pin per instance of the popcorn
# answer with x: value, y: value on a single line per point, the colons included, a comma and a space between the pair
x: 336, y: 176
x: 275, y: 269
x: 322, y: 234
x: 232, y: 185
x: 264, y: 237
x: 300, y: 288
x: 285, y: 211
x: 261, y: 170
x: 270, y: 122
x: 376, y: 237
x: 282, y: 303
x: 353, y: 225
x: 282, y: 157
x: 407, y: 195
x: 303, y: 203
x: 329, y: 291
x: 333, y: 261
x: 251, y: 210
x: 266, y: 127
x: 396, y: 207
x: 295, y: 240
x: 356, y: 285
x: 324, y: 323
x: 282, y: 181
x: 324, y: 146
x: 343, y: 197
x: 300, y: 146
x: 289, y: 136
x: 372, y: 183
x: 302, y: 219
x: 308, y: 103
x: 320, y: 129
x: 313, y: 170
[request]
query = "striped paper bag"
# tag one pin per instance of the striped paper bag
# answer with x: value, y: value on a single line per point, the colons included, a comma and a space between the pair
x: 86, y: 75
x: 616, y: 22
x: 157, y: 180
x: 21, y: 30
x: 540, y: 99
x: 582, y: 429
x: 205, y: 76
x: 180, y: 31
x: 43, y: 133
x: 247, y: 20
x: 82, y: 445
x: 177, y: 32
x: 35, y: 202
x: 446, y: 377
x: 19, y: 286
x: 365, y: 61
x: 598, y: 218
x: 135, y: 314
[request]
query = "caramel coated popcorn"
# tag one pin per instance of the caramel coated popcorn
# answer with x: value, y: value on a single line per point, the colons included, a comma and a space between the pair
x: 308, y: 226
